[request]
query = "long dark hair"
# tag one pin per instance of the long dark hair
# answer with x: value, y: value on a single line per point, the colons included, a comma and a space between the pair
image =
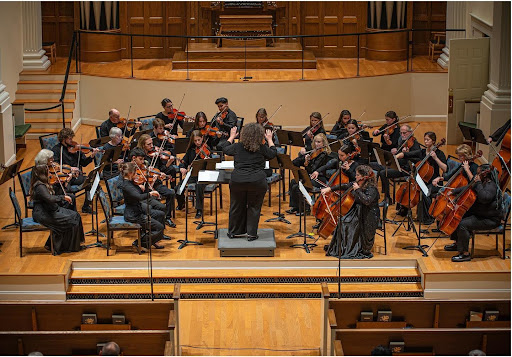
x: 198, y: 116
x: 365, y: 170
x: 40, y: 174
x: 195, y: 133
x: 342, y: 114
x: 252, y: 136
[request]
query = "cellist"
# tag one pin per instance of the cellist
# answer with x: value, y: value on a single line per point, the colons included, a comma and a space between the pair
x: 348, y: 165
x: 361, y: 221
x: 485, y: 213
x: 464, y: 154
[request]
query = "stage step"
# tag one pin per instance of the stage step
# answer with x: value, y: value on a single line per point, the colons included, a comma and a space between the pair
x: 208, y: 56
x: 54, y: 94
x: 242, y: 291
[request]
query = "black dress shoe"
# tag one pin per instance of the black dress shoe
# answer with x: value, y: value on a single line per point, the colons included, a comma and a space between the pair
x: 451, y: 247
x: 199, y: 213
x: 135, y: 245
x: 251, y: 238
x: 461, y: 258
x: 292, y: 210
x: 166, y: 237
x: 308, y: 212
x: 436, y: 230
x: 384, y: 202
x: 170, y: 223
x: 316, y: 226
x: 424, y: 231
x: 87, y: 209
x: 180, y: 207
x: 158, y: 246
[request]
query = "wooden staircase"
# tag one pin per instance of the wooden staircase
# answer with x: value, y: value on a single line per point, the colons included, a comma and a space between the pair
x: 241, y: 283
x: 42, y: 90
x: 206, y: 56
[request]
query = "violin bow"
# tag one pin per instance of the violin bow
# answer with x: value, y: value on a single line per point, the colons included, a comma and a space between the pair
x: 126, y: 123
x: 501, y: 158
x: 405, y: 141
x: 217, y: 115
x: 274, y: 113
x: 389, y: 126
x: 58, y: 178
x: 314, y: 126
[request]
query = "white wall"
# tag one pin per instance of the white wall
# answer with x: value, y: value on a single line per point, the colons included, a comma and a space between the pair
x: 11, y: 43
x: 482, y: 9
x: 419, y: 94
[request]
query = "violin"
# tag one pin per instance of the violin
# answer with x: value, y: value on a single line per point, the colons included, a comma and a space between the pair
x: 85, y: 149
x: 166, y: 136
x: 179, y: 116
x: 127, y: 123
x: 55, y: 175
x: 341, y: 207
x: 140, y: 177
x: 439, y: 206
x: 211, y: 131
x: 203, y: 151
x: 143, y: 171
x: 502, y: 161
x: 162, y: 154
x: 459, y: 205
x: 316, y: 153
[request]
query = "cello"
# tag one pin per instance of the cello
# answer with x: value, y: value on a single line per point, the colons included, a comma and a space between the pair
x: 439, y: 206
x: 502, y: 161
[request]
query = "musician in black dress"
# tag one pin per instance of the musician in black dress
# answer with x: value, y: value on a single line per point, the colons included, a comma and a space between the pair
x: 339, y: 127
x: 316, y: 126
x: 486, y: 213
x: 388, y: 140
x: 311, y: 162
x: 134, y: 196
x: 77, y: 161
x: 112, y: 169
x: 65, y: 224
x: 113, y: 120
x: 224, y: 120
x: 170, y: 124
x: 193, y: 153
x: 153, y: 161
x: 248, y: 183
x: 361, y: 221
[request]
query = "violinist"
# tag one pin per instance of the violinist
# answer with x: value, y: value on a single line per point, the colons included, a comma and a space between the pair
x: 63, y: 156
x: 339, y: 127
x: 146, y: 144
x: 248, y: 184
x: 389, y: 138
x: 201, y: 124
x: 114, y: 119
x: 65, y: 224
x: 262, y: 119
x: 170, y: 124
x: 311, y: 162
x: 133, y: 198
x: 45, y: 157
x: 350, y: 138
x: 159, y: 130
x: 361, y: 221
x: 112, y: 168
x: 137, y: 156
x: 224, y: 120
x: 407, y: 154
x: 316, y: 126
x: 194, y: 152
x: 484, y: 214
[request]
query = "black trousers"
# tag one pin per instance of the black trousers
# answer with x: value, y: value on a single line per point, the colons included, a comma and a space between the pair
x: 385, y: 175
x: 471, y: 223
x: 199, y: 193
x: 245, y: 209
x: 157, y: 228
x: 168, y: 194
x: 78, y: 181
x: 156, y: 205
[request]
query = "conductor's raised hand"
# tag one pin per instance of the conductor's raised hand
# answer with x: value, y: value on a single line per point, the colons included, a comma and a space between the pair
x: 233, y: 133
x: 268, y: 135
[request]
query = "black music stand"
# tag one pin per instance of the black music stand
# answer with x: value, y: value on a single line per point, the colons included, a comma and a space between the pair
x: 280, y: 162
x: 301, y: 175
x: 138, y: 134
x: 111, y: 155
x: 367, y: 149
x: 474, y: 135
x: 9, y: 173
x: 89, y: 181
x: 304, y: 177
x: 95, y: 143
x: 187, y: 126
x: 292, y: 138
x: 199, y: 165
x: 184, y: 189
x: 181, y: 145
x: 223, y: 178
x: 388, y: 161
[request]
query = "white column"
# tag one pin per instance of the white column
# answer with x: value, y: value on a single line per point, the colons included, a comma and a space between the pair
x: 8, y: 145
x: 34, y: 57
x: 495, y: 104
x: 455, y: 19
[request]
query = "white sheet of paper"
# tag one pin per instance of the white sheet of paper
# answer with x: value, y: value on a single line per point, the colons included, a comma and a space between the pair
x: 305, y: 193
x: 230, y: 165
x: 397, y: 164
x: 208, y: 176
x: 422, y: 185
x: 94, y: 186
x: 184, y: 183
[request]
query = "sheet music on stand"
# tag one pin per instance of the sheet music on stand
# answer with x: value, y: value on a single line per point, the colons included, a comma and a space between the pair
x: 422, y: 185
x: 305, y: 194
x: 387, y: 159
x: 293, y: 138
x: 208, y: 176
x: 94, y: 186
x: 184, y: 183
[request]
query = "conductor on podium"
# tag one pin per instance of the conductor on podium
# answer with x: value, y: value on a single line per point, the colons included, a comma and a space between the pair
x: 248, y: 183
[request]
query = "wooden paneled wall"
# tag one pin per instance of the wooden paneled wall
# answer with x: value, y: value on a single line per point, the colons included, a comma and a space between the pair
x: 197, y: 18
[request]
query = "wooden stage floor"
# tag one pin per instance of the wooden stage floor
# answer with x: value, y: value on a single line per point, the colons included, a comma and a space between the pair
x: 161, y: 69
x: 38, y: 261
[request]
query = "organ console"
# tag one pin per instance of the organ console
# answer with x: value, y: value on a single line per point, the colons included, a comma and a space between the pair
x: 245, y: 25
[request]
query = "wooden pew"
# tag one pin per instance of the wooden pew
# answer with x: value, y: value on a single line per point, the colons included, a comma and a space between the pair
x: 133, y: 342
x: 415, y: 313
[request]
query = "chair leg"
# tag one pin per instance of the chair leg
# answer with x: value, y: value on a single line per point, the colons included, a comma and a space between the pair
x: 211, y: 203
x: 51, y: 243
x: 220, y: 198
x: 21, y: 243
x: 139, y: 242
x: 269, y: 195
x: 496, y: 241
x: 108, y: 241
x: 472, y: 237
x: 504, y: 256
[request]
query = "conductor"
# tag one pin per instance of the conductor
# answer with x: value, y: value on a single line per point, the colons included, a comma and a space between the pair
x: 248, y: 183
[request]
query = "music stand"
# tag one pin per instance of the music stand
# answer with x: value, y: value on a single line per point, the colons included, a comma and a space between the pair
x: 305, y: 194
x: 111, y: 155
x: 223, y: 178
x: 187, y: 126
x: 181, y: 145
x: 9, y: 173
x: 292, y: 138
x: 301, y: 175
x: 184, y: 187
x: 90, y: 180
x: 199, y: 165
x: 99, y: 142
x: 138, y: 134
x: 366, y: 149
x: 474, y: 135
x: 280, y: 162
x: 336, y: 145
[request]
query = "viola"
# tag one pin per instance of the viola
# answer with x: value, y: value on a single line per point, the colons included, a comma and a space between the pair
x: 56, y: 175
x: 127, y: 123
x: 211, y: 131
x: 141, y: 177
x: 501, y: 166
x: 179, y: 116
x: 458, y: 206
x: 439, y: 206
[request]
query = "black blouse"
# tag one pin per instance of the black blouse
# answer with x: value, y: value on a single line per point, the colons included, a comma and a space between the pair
x: 249, y: 166
x: 41, y: 196
x: 165, y: 118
